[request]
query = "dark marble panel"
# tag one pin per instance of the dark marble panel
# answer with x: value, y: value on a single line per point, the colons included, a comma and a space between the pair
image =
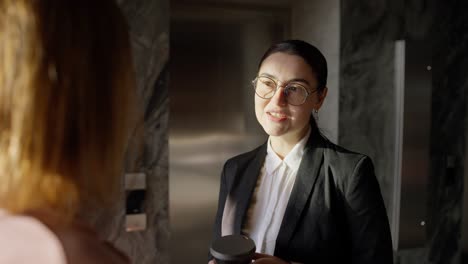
x: 148, y: 148
x: 366, y: 121
x: 450, y: 84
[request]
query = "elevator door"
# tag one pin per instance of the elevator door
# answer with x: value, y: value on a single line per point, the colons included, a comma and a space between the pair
x: 212, y: 117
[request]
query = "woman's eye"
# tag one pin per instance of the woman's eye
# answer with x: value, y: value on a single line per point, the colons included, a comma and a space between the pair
x: 293, y: 89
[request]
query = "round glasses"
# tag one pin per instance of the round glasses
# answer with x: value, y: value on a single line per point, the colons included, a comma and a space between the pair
x: 266, y: 87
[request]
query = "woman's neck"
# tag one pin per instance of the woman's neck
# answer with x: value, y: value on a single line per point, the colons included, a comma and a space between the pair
x: 282, y: 145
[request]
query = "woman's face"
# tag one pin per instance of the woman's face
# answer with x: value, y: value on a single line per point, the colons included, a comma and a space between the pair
x: 275, y: 115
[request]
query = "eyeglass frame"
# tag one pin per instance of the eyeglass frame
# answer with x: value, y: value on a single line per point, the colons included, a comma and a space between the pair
x: 277, y: 83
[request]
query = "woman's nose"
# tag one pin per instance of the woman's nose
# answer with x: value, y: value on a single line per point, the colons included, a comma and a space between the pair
x: 279, y: 98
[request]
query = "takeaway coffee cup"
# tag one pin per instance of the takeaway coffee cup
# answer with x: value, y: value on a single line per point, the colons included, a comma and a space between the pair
x: 233, y: 249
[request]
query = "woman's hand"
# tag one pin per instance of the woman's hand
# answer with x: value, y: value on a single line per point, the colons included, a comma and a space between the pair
x: 267, y: 259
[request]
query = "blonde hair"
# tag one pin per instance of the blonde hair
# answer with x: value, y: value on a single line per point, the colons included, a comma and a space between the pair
x: 66, y: 92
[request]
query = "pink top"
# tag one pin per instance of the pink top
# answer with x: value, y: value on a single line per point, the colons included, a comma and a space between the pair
x: 25, y: 240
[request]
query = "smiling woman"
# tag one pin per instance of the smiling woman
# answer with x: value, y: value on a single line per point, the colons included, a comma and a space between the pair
x: 301, y: 198
x: 286, y: 113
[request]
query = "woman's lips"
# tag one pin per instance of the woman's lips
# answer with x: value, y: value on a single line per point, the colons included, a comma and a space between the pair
x: 277, y: 116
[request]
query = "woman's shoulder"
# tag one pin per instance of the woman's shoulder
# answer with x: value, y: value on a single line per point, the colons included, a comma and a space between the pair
x: 42, y: 237
x: 28, y: 241
x: 340, y: 157
x: 350, y: 170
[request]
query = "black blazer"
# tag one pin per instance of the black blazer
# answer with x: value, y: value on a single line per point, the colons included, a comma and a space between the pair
x: 335, y: 213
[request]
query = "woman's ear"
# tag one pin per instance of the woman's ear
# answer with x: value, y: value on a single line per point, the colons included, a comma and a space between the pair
x: 321, y: 97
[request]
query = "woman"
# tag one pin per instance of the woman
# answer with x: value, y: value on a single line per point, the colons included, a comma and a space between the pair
x: 66, y: 88
x: 301, y: 198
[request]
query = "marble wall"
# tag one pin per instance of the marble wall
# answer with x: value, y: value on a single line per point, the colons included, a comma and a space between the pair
x: 149, y: 29
x: 366, y: 124
x: 450, y: 84
x: 148, y: 148
x: 366, y: 103
x: 318, y: 22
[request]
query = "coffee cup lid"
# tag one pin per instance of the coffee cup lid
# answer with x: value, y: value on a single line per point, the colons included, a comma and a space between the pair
x: 233, y: 247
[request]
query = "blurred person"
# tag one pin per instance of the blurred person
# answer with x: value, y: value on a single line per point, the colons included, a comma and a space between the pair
x: 66, y: 94
x: 300, y: 197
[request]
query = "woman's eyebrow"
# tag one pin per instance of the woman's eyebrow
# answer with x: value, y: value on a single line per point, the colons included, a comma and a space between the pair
x: 292, y: 80
x: 299, y: 80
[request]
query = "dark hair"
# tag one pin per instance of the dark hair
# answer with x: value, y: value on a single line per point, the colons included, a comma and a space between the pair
x: 306, y: 51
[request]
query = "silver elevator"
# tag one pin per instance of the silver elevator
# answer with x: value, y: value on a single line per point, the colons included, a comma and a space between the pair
x: 413, y: 88
x: 215, y: 49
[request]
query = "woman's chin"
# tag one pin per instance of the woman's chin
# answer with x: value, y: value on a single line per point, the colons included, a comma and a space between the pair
x: 274, y: 131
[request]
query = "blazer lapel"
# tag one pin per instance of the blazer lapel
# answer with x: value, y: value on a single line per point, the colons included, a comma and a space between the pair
x: 240, y: 195
x: 303, y: 186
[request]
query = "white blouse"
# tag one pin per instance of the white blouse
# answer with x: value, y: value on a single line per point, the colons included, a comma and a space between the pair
x: 271, y: 196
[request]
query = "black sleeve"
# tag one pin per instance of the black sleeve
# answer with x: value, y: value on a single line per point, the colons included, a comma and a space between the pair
x: 366, y: 217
